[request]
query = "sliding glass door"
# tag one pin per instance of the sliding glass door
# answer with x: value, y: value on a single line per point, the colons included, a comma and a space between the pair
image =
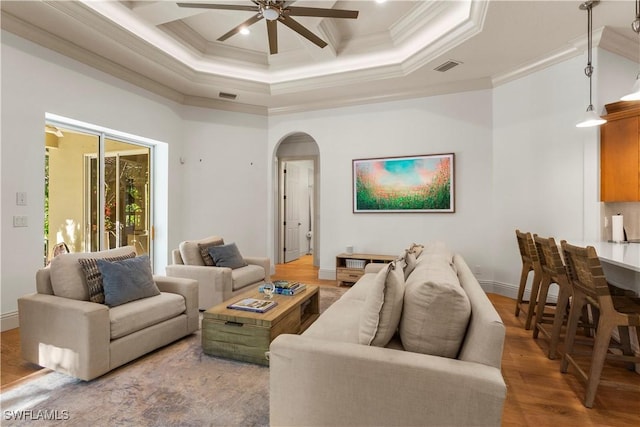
x: 126, y: 196
x: 97, y: 191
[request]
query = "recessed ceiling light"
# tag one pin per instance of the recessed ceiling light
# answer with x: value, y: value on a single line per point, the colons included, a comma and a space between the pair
x: 245, y: 31
x: 381, y: 1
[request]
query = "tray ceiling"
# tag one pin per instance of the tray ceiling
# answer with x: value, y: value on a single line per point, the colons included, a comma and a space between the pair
x: 389, y: 52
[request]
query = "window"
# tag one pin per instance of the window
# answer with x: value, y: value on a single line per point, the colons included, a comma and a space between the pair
x: 97, y: 189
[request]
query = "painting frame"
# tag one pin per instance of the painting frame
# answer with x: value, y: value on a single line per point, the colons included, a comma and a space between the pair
x: 404, y: 184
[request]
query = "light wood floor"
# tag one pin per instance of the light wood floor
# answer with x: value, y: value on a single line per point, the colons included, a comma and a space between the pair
x: 537, y: 393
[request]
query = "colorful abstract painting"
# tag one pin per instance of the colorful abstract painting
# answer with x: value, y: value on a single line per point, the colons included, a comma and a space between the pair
x: 404, y: 184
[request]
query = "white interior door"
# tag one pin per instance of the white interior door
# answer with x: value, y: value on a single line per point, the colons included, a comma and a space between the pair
x: 292, y: 212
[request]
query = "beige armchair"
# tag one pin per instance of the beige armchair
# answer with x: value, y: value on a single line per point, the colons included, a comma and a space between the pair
x: 61, y: 329
x: 216, y: 284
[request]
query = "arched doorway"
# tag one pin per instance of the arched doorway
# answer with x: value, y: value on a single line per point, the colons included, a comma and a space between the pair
x: 298, y: 180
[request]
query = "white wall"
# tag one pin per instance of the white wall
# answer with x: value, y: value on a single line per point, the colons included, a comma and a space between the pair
x: 220, y: 193
x: 520, y: 162
x: 224, y: 171
x: 459, y: 123
x: 36, y: 81
x: 546, y: 174
x: 538, y: 155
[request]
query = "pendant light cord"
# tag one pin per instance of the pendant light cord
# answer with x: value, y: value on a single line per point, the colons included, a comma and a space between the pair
x: 589, y: 68
x: 635, y: 26
x: 591, y: 117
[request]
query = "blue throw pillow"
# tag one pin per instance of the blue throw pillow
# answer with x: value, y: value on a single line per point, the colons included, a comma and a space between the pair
x: 227, y: 256
x: 127, y: 280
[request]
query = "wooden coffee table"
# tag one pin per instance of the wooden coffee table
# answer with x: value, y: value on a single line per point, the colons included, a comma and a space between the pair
x: 245, y: 336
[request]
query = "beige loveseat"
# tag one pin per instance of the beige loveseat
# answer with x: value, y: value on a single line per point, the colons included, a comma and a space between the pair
x: 328, y: 377
x: 216, y: 284
x: 61, y: 329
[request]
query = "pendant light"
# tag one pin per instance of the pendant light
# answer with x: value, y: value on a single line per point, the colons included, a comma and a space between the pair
x: 590, y: 118
x: 634, y: 95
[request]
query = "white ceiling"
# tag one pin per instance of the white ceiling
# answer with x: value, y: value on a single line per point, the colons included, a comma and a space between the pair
x: 389, y: 52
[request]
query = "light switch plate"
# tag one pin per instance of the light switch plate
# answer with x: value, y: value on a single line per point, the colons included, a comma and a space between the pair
x: 21, y: 198
x: 19, y: 221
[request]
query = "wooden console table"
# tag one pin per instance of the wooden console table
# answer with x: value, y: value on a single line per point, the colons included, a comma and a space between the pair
x: 350, y: 274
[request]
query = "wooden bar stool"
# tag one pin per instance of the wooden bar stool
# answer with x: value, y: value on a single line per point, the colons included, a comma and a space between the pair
x: 553, y: 271
x: 530, y: 262
x: 589, y: 285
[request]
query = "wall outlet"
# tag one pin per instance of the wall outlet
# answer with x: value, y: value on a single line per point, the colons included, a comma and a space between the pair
x: 606, y: 221
x: 19, y: 221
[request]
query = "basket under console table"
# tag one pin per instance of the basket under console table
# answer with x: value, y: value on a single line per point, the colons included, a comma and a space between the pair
x: 350, y: 267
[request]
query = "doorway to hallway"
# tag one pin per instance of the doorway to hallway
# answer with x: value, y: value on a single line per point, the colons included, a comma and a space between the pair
x: 298, y: 176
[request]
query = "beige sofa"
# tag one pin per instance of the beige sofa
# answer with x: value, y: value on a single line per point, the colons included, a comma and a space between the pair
x: 216, y: 284
x: 326, y: 376
x: 62, y: 330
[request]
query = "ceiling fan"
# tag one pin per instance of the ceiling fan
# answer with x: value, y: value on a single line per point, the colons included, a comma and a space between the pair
x: 277, y: 11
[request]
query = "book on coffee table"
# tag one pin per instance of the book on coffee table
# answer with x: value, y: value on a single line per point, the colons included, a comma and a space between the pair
x: 285, y: 291
x: 286, y: 284
x: 253, y: 304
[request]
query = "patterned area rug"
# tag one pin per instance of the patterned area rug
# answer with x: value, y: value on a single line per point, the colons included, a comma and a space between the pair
x: 176, y: 385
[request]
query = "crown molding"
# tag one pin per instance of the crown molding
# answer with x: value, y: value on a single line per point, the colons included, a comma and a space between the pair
x: 184, y: 84
x: 423, y: 14
x: 532, y: 67
x: 45, y: 39
x: 217, y: 104
x: 200, y: 46
x: 604, y: 37
x: 468, y: 27
x: 445, y: 16
x: 440, y: 89
x: 620, y: 44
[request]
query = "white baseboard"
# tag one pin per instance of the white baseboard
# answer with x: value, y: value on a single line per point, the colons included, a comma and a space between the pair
x: 504, y: 289
x: 324, y: 274
x: 511, y: 291
x: 9, y: 321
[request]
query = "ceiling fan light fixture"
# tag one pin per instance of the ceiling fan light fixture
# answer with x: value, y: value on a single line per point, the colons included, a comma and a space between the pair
x: 274, y: 11
x: 271, y: 13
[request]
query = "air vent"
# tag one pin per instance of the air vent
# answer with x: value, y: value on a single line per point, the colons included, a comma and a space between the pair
x: 447, y: 65
x: 227, y: 95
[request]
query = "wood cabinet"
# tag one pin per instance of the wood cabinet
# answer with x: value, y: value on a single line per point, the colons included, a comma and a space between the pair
x: 350, y: 267
x: 620, y: 153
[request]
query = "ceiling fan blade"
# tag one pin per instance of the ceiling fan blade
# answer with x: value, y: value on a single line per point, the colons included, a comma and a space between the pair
x: 298, y: 28
x: 272, y: 31
x: 323, y: 13
x: 237, y: 29
x: 219, y: 6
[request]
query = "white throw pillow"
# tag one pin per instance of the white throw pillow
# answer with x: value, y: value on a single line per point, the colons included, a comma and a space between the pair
x: 436, y: 311
x: 382, y: 306
x: 67, y: 276
x: 190, y: 249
